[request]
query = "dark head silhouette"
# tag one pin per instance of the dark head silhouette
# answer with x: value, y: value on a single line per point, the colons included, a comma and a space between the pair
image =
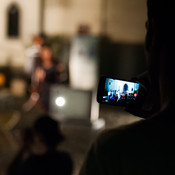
x: 125, y: 87
x: 160, y: 47
x: 48, y: 130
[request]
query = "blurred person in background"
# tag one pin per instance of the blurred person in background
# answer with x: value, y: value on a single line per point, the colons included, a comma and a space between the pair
x: 33, y: 56
x: 148, y: 146
x: 38, y: 153
x: 47, y: 72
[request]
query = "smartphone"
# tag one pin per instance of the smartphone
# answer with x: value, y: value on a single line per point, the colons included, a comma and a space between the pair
x: 117, y: 92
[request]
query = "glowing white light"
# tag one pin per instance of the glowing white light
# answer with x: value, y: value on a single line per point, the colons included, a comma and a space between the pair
x: 98, y: 124
x: 60, y: 101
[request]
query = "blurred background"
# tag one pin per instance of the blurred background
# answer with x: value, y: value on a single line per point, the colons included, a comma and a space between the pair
x: 87, y: 39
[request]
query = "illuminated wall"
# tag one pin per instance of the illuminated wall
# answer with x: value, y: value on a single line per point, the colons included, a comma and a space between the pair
x: 64, y: 16
x: 126, y: 20
x: 122, y: 20
x: 12, y: 49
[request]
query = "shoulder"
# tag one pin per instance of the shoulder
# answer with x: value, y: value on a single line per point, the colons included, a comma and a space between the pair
x: 120, y: 132
x: 58, y: 156
x: 65, y: 162
x: 63, y: 155
x: 63, y: 158
x: 105, y: 153
x: 135, y: 134
x: 127, y: 146
x: 139, y: 133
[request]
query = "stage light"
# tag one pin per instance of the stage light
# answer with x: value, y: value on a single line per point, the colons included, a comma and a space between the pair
x: 60, y: 101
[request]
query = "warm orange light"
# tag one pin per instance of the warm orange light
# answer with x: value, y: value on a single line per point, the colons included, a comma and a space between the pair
x: 2, y: 79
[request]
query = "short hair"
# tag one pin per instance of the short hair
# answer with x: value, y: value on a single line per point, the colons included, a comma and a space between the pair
x: 48, y: 130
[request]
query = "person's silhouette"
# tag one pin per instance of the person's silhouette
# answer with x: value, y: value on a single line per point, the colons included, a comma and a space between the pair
x: 43, y: 157
x: 148, y: 146
x: 125, y: 88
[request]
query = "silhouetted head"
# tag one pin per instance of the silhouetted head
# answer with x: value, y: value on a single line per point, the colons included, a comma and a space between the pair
x: 125, y: 87
x: 48, y: 131
x: 160, y: 41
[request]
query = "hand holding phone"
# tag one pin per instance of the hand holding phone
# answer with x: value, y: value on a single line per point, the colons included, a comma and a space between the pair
x: 118, y: 92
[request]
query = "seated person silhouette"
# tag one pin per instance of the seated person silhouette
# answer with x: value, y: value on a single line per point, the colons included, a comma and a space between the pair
x: 39, y: 154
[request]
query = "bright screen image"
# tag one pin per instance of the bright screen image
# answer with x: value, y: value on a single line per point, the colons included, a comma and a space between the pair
x: 119, y: 91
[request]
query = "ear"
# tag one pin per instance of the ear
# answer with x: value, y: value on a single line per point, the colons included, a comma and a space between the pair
x: 149, y: 39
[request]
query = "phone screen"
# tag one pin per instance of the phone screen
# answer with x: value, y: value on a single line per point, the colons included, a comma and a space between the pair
x: 118, y: 92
